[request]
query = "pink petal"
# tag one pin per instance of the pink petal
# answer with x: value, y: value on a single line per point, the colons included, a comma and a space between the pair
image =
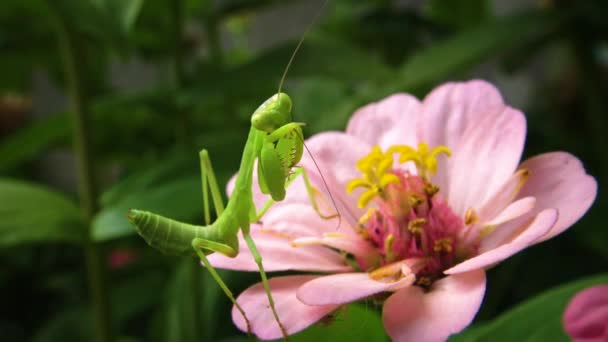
x: 513, y: 211
x: 558, y: 180
x: 451, y: 304
x: 278, y: 255
x: 485, y: 136
x: 526, y: 235
x: 294, y: 315
x: 352, y: 244
x: 587, y: 314
x: 299, y: 220
x: 504, y: 196
x: 346, y: 288
x: 386, y: 122
x: 336, y: 155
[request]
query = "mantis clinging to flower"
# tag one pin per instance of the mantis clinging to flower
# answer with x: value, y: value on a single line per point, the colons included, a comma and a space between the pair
x: 277, y: 144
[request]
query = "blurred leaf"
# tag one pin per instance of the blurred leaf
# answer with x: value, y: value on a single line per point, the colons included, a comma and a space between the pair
x: 32, y: 213
x: 155, y: 174
x: 179, y: 324
x: 444, y: 59
x: 325, y: 56
x: 471, y: 47
x: 122, y: 12
x: 108, y: 20
x: 136, y: 295
x: 313, y: 98
x: 230, y: 7
x: 29, y: 142
x: 180, y: 200
x: 70, y: 325
x: 536, y: 317
x: 471, y: 333
x: 177, y: 315
x: 353, y: 323
x: 466, y: 13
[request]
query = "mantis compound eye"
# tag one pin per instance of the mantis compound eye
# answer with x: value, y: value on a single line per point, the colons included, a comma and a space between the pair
x: 273, y: 113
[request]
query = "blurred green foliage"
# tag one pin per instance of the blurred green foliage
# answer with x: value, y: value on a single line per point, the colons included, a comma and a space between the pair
x: 204, y: 74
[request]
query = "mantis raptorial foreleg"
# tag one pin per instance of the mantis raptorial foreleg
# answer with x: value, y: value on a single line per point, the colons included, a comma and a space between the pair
x: 311, y: 190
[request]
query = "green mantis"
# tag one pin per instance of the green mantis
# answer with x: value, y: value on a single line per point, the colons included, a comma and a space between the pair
x: 277, y: 144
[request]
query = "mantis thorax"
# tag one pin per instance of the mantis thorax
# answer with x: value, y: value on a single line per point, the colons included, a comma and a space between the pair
x: 273, y: 113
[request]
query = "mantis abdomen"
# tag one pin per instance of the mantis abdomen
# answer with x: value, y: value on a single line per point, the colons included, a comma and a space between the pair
x: 174, y: 237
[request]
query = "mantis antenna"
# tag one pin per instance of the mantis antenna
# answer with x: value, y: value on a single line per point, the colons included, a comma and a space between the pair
x: 289, y: 63
x: 295, y: 51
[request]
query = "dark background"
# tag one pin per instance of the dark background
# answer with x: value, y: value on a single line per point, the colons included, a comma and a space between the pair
x: 157, y: 80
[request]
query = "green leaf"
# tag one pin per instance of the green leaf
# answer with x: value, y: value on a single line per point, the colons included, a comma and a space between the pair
x: 108, y: 20
x: 471, y: 47
x: 354, y: 323
x: 160, y: 171
x: 119, y: 17
x: 72, y: 324
x: 463, y: 13
x: 136, y: 295
x: 179, y: 310
x: 29, y: 142
x: 124, y: 12
x: 32, y: 213
x: 180, y: 200
x: 535, y: 319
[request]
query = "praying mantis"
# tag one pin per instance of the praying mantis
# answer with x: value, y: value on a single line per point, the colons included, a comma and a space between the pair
x: 277, y: 143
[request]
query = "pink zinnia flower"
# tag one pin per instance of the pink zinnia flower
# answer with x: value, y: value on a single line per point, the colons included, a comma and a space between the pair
x: 431, y: 194
x: 586, y: 317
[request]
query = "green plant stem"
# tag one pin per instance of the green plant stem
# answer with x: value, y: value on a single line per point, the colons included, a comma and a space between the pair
x: 211, y: 24
x: 87, y: 191
x: 178, y: 69
x: 183, y: 135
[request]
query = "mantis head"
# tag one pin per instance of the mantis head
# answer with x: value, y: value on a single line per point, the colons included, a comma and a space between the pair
x: 273, y: 113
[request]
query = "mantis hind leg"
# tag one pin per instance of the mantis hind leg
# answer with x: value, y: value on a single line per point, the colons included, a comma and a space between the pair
x: 258, y: 260
x: 201, y: 244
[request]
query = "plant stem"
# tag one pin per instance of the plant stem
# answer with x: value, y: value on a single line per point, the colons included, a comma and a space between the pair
x: 178, y: 70
x: 70, y: 52
x: 213, y: 37
x: 177, y: 14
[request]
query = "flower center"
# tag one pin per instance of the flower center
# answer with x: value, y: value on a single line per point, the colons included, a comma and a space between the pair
x: 409, y: 219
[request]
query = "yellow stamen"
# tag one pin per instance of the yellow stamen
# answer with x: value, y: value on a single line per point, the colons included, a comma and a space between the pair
x: 443, y: 245
x: 415, y: 225
x: 470, y: 217
x: 415, y: 200
x: 524, y: 174
x: 424, y: 159
x: 375, y: 169
x: 366, y: 197
x: 388, y: 248
x: 388, y: 178
x: 368, y: 214
x: 485, y: 230
x: 431, y: 189
x: 390, y: 272
x: 423, y: 281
